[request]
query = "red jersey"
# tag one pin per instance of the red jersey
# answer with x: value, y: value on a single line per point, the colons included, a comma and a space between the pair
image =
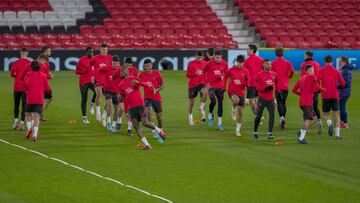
x: 45, y: 68
x: 216, y: 73
x: 133, y: 72
x: 116, y: 75
x: 195, y: 73
x: 329, y: 78
x: 254, y: 64
x: 131, y: 92
x: 284, y: 71
x: 239, y: 79
x: 109, y: 82
x: 84, y: 69
x: 99, y: 61
x: 36, y: 84
x: 315, y: 64
x: 17, y: 71
x: 263, y: 80
x: 153, y: 80
x: 305, y: 87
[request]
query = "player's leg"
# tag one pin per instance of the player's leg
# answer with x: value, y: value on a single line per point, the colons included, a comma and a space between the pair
x: 343, y: 113
x: 239, y: 115
x: 235, y: 102
x: 281, y: 108
x: 220, y: 99
x: 326, y: 107
x: 212, y: 104
x: 253, y: 101
x: 308, y: 120
x: 190, y: 109
x: 204, y: 96
x: 84, y: 95
x: 108, y: 110
x: 23, y: 106
x: 140, y: 134
x: 317, y: 111
x: 92, y: 103
x: 270, y: 106
x: 116, y: 107
x: 37, y: 117
x: 47, y: 99
x: 120, y: 113
x: 335, y: 109
x: 260, y: 108
x: 99, y: 94
x: 159, y: 133
x: 17, y: 98
x: 28, y: 119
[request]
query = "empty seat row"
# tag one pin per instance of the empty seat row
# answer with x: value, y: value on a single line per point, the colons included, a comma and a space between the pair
x: 72, y: 8
x: 21, y: 15
x: 38, y: 22
x: 69, y: 2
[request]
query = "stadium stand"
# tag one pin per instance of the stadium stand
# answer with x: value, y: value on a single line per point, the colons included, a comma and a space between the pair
x: 305, y: 24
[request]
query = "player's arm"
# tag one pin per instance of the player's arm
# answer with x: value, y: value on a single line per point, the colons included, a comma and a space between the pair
x: 341, y: 79
x: 161, y: 84
x: 189, y: 72
x: 296, y: 88
x: 13, y: 70
x: 258, y: 84
x: 291, y: 71
x: 277, y: 89
x: 80, y: 68
x: 46, y: 86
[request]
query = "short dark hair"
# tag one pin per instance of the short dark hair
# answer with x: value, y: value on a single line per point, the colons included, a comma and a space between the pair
x: 128, y: 60
x: 147, y: 61
x: 279, y: 51
x: 88, y: 48
x: 328, y: 59
x: 218, y: 53
x: 199, y: 53
x: 44, y: 48
x: 240, y: 58
x: 43, y: 56
x: 345, y: 59
x: 307, y: 67
x: 103, y: 45
x: 116, y: 58
x: 266, y: 60
x: 24, y: 50
x: 309, y: 53
x: 35, y: 66
x: 253, y: 47
x: 210, y: 51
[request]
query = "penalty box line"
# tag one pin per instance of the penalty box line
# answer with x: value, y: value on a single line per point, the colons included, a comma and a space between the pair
x: 87, y: 171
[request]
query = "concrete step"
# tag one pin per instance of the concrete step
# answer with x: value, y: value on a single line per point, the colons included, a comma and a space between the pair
x: 244, y: 39
x: 224, y: 13
x: 214, y: 1
x: 234, y: 26
x: 239, y: 33
x: 218, y: 6
x: 229, y: 19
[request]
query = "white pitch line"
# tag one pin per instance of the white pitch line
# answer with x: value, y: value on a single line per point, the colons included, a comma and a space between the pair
x: 86, y: 171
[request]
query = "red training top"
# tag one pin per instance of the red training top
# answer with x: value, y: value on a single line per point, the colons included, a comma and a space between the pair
x: 153, y: 80
x: 284, y: 71
x: 109, y: 82
x: 239, y: 79
x: 36, y: 84
x: 84, y: 69
x: 195, y: 73
x: 254, y: 64
x: 305, y: 87
x: 329, y: 78
x: 99, y: 61
x: 131, y: 92
x: 17, y: 71
x: 216, y: 73
x: 263, y: 80
x: 315, y: 64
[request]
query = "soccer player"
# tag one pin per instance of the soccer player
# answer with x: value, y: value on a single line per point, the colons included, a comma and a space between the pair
x: 254, y: 64
x: 152, y: 96
x: 309, y: 60
x: 345, y: 93
x: 130, y: 90
x: 111, y: 92
x: 98, y: 61
x: 216, y: 71
x: 305, y: 87
x: 86, y: 76
x: 239, y: 79
x: 284, y: 71
x: 45, y: 68
x: 16, y: 72
x: 329, y: 78
x: 266, y: 83
x: 36, y: 84
x: 195, y: 73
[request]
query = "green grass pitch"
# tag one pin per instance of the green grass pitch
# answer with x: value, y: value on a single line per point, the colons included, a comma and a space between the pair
x: 195, y: 164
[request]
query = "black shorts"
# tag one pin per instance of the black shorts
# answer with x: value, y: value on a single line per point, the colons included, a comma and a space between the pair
x: 241, y: 99
x: 137, y: 113
x: 193, y: 92
x: 308, y: 112
x: 216, y: 92
x: 252, y: 93
x: 153, y: 104
x: 112, y: 96
x: 31, y: 108
x: 48, y: 95
x: 330, y: 104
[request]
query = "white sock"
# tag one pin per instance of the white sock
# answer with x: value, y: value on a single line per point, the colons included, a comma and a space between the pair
x: 337, y: 132
x: 328, y: 122
x: 35, y: 131
x: 238, y: 126
x: 219, y: 120
x: 282, y: 118
x: 190, y: 117
x: 84, y: 117
x: 129, y: 125
x: 28, y: 125
x: 158, y: 130
x: 319, y: 122
x: 119, y: 120
x: 16, y: 120
x: 114, y: 123
x: 32, y: 123
x: 22, y: 122
x: 210, y: 116
x: 233, y: 108
x: 109, y: 119
x: 144, y: 140
x: 202, y: 105
x: 302, y: 134
x: 98, y: 110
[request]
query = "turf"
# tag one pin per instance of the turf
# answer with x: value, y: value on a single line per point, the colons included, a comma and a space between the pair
x: 195, y: 164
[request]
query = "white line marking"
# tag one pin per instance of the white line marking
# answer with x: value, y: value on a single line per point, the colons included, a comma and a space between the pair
x: 89, y: 172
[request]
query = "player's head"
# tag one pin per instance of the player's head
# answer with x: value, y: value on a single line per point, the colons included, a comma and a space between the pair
x: 35, y: 66
x: 343, y: 61
x: 198, y: 56
x: 328, y: 59
x: 267, y: 65
x: 218, y: 56
x: 279, y: 51
x: 308, y: 54
x: 210, y: 52
x: 24, y: 53
x: 46, y: 51
x: 89, y: 52
x: 124, y: 72
x: 147, y: 65
x: 42, y: 59
x: 309, y: 69
x: 252, y: 49
x: 104, y: 49
x: 240, y: 59
x: 128, y: 62
x: 115, y: 61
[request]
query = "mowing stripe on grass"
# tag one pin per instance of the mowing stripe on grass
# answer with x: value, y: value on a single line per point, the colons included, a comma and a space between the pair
x: 86, y: 171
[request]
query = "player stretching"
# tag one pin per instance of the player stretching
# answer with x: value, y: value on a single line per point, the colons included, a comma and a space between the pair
x: 195, y: 73
x: 284, y: 71
x: 45, y: 68
x: 86, y: 73
x: 215, y: 71
x: 266, y: 82
x: 35, y: 84
x: 309, y: 60
x: 111, y: 92
x: 239, y: 79
x: 152, y: 96
x: 98, y: 61
x: 305, y: 87
x: 330, y: 78
x: 130, y: 90
x: 17, y: 71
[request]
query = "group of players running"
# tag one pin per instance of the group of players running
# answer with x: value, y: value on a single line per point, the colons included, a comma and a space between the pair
x: 266, y: 83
